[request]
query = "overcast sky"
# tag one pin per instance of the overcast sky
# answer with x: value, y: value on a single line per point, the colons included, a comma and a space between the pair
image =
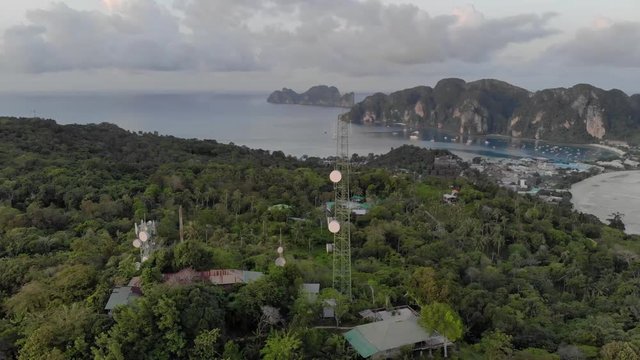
x: 361, y: 45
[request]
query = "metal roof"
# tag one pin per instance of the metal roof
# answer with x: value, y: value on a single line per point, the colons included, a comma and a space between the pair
x: 385, y: 335
x: 120, y: 296
x: 312, y: 288
x: 402, y: 312
x: 249, y: 276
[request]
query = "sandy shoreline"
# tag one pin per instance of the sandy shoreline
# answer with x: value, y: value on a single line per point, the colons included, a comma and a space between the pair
x: 610, y: 148
x: 604, y: 194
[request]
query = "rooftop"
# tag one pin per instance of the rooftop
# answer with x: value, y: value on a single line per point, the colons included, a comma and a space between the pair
x: 384, y: 336
x: 122, y: 295
x: 403, y: 312
x: 311, y: 290
x: 215, y: 276
x: 394, y: 329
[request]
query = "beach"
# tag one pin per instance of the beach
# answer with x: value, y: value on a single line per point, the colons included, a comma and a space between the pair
x: 607, y: 193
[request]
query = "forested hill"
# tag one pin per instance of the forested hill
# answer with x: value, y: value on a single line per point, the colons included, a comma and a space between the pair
x: 414, y: 159
x: 526, y: 279
x: 145, y: 151
x: 582, y: 113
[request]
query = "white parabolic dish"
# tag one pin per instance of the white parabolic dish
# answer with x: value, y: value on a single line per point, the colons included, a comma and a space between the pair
x: 334, y: 226
x: 335, y: 176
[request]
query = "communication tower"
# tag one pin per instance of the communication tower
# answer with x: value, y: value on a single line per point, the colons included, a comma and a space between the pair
x: 145, y: 240
x: 339, y: 225
x: 280, y: 261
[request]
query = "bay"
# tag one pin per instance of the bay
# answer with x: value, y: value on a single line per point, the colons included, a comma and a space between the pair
x: 247, y: 119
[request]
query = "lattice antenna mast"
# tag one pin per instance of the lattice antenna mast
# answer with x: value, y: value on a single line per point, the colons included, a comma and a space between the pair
x: 342, y: 213
x: 145, y: 240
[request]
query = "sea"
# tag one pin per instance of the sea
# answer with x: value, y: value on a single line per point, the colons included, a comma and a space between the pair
x: 247, y: 119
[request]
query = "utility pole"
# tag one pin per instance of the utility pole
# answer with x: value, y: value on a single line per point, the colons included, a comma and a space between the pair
x: 180, y: 223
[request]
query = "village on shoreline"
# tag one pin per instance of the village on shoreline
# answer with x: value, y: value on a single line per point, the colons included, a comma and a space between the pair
x: 551, y: 180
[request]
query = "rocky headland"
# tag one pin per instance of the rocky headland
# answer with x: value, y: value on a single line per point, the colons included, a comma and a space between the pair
x: 320, y: 95
x: 580, y: 114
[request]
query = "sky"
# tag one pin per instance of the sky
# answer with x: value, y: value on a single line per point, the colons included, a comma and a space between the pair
x: 357, y: 45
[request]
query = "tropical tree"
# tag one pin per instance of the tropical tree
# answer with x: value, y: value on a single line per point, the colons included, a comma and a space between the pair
x: 442, y: 318
x: 497, y: 345
x: 618, y: 350
x: 282, y: 346
x: 616, y: 221
x: 204, y: 345
x: 426, y: 285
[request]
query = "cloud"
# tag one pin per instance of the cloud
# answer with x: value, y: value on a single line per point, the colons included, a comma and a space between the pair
x: 343, y: 36
x: 142, y: 36
x: 606, y: 43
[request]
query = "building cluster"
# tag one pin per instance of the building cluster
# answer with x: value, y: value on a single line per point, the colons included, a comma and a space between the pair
x: 124, y: 295
x: 619, y: 164
x: 540, y: 177
x: 357, y: 204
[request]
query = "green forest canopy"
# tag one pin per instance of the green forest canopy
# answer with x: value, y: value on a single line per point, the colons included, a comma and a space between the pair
x: 526, y: 278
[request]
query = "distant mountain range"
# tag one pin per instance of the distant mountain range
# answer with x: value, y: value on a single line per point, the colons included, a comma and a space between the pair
x: 580, y: 114
x: 320, y: 95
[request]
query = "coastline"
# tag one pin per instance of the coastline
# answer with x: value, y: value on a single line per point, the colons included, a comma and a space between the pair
x: 453, y: 133
x: 616, y: 150
x: 620, y: 152
x: 606, y: 193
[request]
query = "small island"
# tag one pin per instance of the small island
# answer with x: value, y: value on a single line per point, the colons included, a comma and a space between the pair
x: 320, y: 95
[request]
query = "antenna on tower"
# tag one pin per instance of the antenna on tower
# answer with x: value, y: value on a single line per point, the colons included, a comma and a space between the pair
x: 145, y: 240
x: 280, y: 261
x: 339, y: 225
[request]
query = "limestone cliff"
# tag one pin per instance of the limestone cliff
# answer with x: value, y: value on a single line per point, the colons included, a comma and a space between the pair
x: 582, y: 113
x: 320, y: 95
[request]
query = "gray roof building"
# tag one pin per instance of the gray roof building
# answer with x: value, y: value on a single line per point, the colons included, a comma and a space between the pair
x: 122, y: 295
x: 311, y: 290
x: 385, y: 338
x: 328, y: 308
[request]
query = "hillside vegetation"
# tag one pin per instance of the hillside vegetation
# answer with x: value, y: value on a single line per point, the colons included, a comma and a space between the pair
x: 529, y: 280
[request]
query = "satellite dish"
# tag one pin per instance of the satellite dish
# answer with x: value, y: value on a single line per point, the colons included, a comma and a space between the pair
x: 280, y: 261
x: 143, y: 236
x: 137, y: 243
x: 335, y: 176
x: 334, y: 226
x: 280, y: 250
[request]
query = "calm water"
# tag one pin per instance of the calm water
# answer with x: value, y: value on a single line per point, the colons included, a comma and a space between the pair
x: 607, y: 193
x: 249, y: 120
